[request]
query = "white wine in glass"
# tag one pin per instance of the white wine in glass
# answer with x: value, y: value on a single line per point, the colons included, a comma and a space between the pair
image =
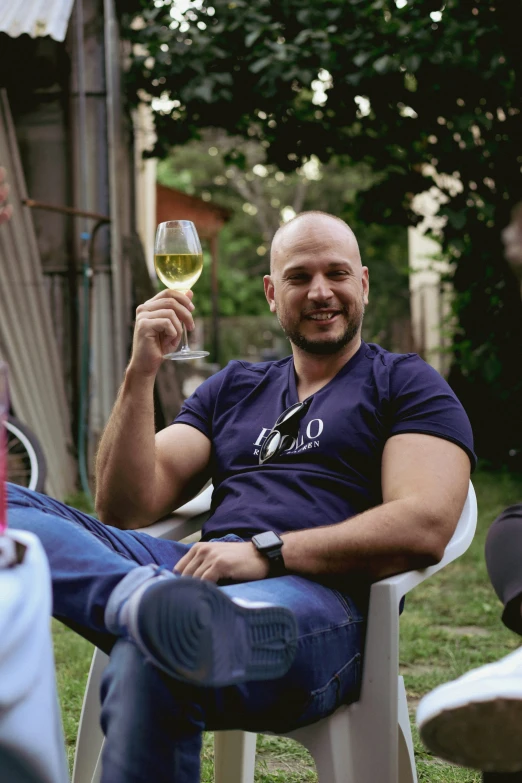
x: 178, y: 259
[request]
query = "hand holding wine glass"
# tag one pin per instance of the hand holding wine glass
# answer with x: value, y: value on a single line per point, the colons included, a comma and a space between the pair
x: 178, y: 259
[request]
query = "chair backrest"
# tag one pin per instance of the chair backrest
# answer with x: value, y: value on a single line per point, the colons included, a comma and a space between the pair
x: 465, y: 530
x: 185, y: 521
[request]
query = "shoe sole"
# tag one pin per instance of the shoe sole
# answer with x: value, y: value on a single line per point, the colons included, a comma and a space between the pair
x: 190, y: 629
x: 478, y: 730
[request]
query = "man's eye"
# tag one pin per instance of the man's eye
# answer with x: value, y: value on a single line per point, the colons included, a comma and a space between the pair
x: 338, y: 273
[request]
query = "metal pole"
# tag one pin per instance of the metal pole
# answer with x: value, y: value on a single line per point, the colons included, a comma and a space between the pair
x: 112, y: 65
x: 84, y: 253
x: 30, y: 202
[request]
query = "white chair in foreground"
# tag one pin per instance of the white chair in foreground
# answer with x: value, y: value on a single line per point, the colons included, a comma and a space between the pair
x: 366, y: 742
x: 32, y: 748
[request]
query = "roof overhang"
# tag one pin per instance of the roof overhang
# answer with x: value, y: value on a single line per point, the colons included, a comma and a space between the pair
x: 36, y: 18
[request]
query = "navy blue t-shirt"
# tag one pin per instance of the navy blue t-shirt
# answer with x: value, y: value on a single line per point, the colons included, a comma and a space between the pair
x: 334, y: 470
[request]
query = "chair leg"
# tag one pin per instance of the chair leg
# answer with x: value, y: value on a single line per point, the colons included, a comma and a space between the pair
x: 98, y: 769
x: 234, y: 756
x: 407, y: 770
x: 328, y: 743
x: 351, y: 747
x: 90, y: 736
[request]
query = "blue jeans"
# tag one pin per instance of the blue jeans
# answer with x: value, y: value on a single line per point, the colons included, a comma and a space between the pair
x: 153, y: 723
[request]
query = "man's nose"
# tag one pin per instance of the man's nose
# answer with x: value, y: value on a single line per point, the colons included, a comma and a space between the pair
x: 320, y: 288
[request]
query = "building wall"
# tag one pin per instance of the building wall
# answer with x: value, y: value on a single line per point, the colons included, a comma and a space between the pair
x: 71, y: 163
x: 145, y: 169
x: 430, y: 301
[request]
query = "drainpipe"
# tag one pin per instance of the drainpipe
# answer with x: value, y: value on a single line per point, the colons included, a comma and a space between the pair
x: 84, y: 256
x: 112, y: 68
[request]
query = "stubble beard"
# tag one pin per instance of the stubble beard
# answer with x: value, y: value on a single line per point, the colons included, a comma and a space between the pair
x: 327, y: 347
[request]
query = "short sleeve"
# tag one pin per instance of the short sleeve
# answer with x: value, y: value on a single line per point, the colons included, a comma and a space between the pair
x: 198, y: 409
x: 422, y: 401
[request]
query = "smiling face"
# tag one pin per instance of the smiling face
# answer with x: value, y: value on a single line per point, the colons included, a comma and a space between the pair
x: 317, y: 286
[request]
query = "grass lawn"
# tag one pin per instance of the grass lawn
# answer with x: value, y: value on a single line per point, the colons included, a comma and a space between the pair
x: 450, y: 625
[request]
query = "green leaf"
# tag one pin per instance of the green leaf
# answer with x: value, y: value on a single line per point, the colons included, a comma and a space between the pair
x: 353, y: 78
x: 361, y: 58
x: 456, y: 219
x: 301, y: 37
x: 205, y: 91
x: 303, y: 16
x: 410, y: 82
x: 258, y: 65
x: 252, y: 37
x: 384, y: 64
x: 413, y: 62
x: 223, y: 78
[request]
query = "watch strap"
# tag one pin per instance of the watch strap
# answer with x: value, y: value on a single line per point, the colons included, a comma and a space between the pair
x: 276, y: 562
x: 273, y: 554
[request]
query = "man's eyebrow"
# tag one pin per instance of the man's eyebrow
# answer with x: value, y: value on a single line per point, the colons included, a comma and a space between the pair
x: 306, y: 268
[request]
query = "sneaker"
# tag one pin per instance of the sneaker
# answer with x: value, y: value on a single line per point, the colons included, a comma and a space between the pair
x: 192, y: 630
x: 476, y: 720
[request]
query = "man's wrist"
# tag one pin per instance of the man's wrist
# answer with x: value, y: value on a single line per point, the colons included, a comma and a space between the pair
x: 135, y: 378
x: 270, y: 545
x: 262, y: 560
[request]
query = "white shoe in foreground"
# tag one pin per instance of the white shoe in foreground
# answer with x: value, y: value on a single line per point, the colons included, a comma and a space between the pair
x: 476, y: 720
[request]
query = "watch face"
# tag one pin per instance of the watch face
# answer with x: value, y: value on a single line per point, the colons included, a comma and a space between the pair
x: 266, y: 540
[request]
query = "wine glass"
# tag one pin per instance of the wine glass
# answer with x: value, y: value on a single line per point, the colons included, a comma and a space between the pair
x: 178, y: 259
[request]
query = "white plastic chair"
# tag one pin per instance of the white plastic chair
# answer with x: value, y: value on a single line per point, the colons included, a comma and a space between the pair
x: 32, y: 747
x: 366, y: 742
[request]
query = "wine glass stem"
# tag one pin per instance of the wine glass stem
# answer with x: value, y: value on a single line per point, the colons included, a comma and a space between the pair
x: 184, y: 341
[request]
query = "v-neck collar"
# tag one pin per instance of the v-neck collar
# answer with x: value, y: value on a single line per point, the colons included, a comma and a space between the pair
x: 345, y: 369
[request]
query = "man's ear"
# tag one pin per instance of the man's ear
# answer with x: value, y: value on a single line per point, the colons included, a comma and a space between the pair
x: 365, y: 284
x: 269, y: 292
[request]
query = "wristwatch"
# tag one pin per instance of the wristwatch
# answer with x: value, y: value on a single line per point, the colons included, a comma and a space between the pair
x: 270, y: 546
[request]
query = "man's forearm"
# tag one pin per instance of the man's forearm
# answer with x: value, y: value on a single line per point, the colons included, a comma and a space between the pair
x: 389, y: 539
x: 386, y: 540
x: 125, y: 464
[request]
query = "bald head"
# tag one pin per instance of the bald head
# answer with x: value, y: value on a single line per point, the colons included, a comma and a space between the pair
x: 317, y: 285
x: 309, y: 231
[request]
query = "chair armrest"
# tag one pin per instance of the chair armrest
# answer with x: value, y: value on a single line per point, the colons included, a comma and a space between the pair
x: 381, y: 664
x: 459, y: 543
x: 185, y: 521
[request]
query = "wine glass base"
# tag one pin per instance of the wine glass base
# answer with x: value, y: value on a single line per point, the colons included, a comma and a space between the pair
x: 182, y: 355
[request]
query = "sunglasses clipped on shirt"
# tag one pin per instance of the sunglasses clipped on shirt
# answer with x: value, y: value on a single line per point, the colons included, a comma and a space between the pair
x: 283, y: 434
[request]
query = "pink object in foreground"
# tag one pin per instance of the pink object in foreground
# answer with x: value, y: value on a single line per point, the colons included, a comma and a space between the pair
x: 3, y: 446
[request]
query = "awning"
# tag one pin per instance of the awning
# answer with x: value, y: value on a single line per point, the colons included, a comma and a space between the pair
x: 37, y: 18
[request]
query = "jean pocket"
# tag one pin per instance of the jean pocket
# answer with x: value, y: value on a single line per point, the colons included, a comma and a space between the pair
x: 343, y: 688
x: 353, y: 610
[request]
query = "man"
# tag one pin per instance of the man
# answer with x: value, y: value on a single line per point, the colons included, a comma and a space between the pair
x: 364, y: 475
